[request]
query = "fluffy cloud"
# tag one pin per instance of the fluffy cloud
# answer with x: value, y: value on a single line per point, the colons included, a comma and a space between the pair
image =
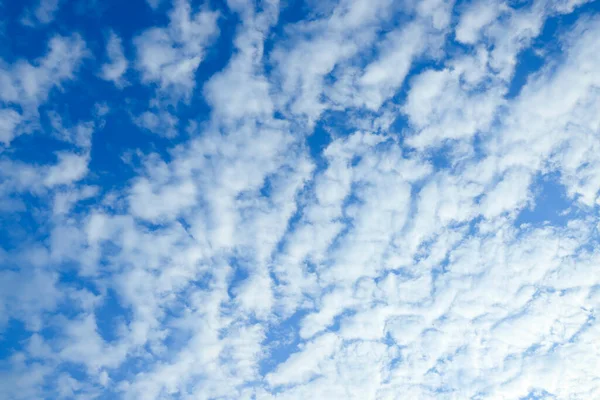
x: 474, y: 19
x: 28, y: 83
x: 169, y: 57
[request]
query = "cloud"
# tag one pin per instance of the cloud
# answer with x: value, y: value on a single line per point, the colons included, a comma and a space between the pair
x: 43, y: 14
x: 474, y: 19
x: 344, y: 217
x: 242, y: 89
x: 154, y: 3
x: 382, y: 78
x: 27, y: 85
x: 440, y: 109
x: 301, y: 366
x: 116, y: 68
x: 70, y: 168
x: 169, y: 57
x: 9, y: 121
x: 161, y: 123
x: 304, y: 63
x: 28, y: 296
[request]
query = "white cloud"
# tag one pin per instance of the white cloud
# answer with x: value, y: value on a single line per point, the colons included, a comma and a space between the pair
x: 304, y: 365
x: 161, y: 122
x: 46, y: 10
x: 383, y: 77
x: 304, y: 63
x: 474, y: 19
x: 241, y: 90
x: 70, y: 168
x: 118, y: 64
x: 28, y: 84
x: 169, y: 57
x: 28, y: 296
x: 440, y: 107
x: 18, y: 177
x: 9, y: 121
x: 438, y: 12
x: 509, y: 194
x: 43, y: 14
x: 79, y: 135
x: 153, y: 204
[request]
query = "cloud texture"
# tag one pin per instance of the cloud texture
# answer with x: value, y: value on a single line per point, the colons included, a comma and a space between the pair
x: 360, y: 199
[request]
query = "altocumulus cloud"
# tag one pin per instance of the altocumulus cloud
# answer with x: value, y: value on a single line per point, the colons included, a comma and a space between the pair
x: 355, y: 199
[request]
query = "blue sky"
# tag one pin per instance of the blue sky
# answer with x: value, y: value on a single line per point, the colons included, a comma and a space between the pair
x: 363, y: 199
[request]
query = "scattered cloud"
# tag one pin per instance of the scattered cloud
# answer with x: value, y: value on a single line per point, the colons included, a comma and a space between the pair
x: 169, y: 56
x: 342, y: 219
x: 118, y: 64
x: 44, y: 13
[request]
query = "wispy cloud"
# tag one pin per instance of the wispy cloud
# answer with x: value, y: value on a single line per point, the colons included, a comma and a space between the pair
x: 44, y: 13
x: 118, y: 64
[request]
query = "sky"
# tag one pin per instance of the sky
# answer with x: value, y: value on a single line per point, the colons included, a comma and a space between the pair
x: 286, y: 199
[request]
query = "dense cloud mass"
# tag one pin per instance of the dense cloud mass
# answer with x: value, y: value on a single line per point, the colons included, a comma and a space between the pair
x: 354, y: 199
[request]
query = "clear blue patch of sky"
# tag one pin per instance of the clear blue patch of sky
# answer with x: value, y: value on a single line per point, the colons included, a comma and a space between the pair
x: 281, y: 341
x: 529, y: 61
x: 240, y: 275
x: 110, y: 315
x: 13, y: 337
x: 550, y: 204
x: 538, y: 394
x: 317, y: 142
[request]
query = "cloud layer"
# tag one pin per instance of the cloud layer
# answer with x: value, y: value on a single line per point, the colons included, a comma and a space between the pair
x: 331, y: 200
